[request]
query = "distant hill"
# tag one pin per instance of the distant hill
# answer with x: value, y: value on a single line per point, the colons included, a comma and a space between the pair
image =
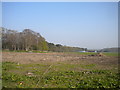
x: 110, y: 50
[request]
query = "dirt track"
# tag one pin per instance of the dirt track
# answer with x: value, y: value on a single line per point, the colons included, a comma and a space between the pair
x: 25, y: 58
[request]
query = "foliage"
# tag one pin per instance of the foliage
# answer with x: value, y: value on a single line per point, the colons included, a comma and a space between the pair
x: 25, y: 40
x: 61, y: 48
x: 30, y: 40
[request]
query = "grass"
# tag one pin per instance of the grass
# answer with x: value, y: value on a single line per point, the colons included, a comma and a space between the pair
x: 57, y: 75
x: 81, y: 53
x: 111, y: 54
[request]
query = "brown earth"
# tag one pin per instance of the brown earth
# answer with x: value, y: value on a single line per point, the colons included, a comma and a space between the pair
x: 26, y: 58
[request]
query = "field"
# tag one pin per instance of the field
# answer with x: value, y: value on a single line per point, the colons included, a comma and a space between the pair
x: 59, y: 70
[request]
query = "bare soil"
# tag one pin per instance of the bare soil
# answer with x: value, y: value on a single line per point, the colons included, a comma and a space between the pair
x: 26, y: 58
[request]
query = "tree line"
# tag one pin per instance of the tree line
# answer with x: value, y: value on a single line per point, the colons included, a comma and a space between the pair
x: 29, y: 40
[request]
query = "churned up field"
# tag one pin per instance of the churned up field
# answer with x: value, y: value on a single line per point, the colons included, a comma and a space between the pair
x: 59, y: 70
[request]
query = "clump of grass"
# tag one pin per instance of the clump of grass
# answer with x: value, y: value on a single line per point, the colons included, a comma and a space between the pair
x: 39, y: 52
x: 8, y: 65
x: 88, y: 66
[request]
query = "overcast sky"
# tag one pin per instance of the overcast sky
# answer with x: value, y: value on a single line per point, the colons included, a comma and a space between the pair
x: 83, y: 24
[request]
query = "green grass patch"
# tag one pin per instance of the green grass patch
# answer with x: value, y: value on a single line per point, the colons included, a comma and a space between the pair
x: 40, y: 51
x: 8, y: 66
x: 111, y: 54
x: 59, y: 75
x: 88, y: 66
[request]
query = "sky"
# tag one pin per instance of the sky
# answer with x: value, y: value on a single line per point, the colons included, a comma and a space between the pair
x: 1, y: 14
x: 92, y: 25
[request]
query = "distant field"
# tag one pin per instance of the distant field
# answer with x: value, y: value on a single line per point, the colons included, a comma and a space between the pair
x: 59, y: 70
x: 82, y: 53
x: 111, y: 54
x: 94, y: 53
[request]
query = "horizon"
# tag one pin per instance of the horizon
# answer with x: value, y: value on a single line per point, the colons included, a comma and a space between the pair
x: 88, y: 25
x: 61, y: 44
